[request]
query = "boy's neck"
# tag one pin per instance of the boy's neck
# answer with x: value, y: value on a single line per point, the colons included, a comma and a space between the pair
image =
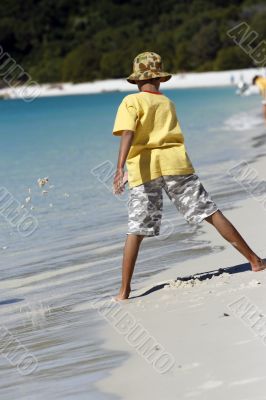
x: 148, y: 87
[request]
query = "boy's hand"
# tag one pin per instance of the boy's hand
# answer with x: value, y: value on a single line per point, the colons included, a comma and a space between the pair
x: 121, y: 177
x: 119, y: 181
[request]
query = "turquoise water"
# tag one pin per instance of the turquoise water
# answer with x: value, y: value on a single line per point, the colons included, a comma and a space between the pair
x: 74, y: 255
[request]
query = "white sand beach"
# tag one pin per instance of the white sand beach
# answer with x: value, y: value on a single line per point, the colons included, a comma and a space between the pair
x: 214, y: 329
x: 181, y: 80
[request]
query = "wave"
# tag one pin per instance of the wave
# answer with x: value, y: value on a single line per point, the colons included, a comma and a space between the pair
x: 244, y: 121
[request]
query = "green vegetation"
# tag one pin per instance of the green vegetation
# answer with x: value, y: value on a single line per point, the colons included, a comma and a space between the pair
x: 83, y: 40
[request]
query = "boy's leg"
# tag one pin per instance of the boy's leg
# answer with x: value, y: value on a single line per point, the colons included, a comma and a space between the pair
x: 131, y: 250
x: 190, y: 197
x: 264, y: 109
x: 229, y: 232
x: 144, y: 219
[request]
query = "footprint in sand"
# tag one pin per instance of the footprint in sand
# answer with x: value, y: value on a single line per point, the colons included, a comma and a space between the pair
x: 205, y: 386
x: 195, y: 305
x: 244, y: 342
x: 211, y: 385
x: 190, y: 366
x: 246, y: 381
x: 195, y: 393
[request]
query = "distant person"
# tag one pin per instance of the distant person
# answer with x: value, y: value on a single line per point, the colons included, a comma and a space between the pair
x: 242, y: 88
x: 153, y: 146
x: 260, y: 82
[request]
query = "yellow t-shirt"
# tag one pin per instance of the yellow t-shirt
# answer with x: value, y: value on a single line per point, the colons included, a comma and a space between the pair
x: 261, y: 83
x: 158, y: 145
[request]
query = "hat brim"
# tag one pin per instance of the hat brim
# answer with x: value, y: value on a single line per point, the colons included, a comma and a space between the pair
x: 133, y: 78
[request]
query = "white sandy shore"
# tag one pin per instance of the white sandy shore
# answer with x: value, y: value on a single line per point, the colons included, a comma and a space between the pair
x: 185, y: 80
x: 217, y: 353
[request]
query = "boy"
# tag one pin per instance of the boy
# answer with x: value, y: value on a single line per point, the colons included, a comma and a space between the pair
x: 260, y: 82
x: 153, y: 146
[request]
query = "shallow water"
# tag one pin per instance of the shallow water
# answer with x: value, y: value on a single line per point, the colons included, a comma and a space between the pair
x: 50, y: 277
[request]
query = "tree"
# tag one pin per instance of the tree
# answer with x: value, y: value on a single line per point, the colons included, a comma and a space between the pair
x: 81, y: 64
x: 232, y: 58
x: 95, y: 39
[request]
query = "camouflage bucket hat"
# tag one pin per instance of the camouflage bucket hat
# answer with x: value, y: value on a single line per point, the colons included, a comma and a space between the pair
x: 148, y: 65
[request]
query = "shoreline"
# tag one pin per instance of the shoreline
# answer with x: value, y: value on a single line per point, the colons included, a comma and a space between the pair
x: 217, y: 353
x: 178, y: 81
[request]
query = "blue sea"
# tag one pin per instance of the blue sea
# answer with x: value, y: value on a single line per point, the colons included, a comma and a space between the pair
x: 73, y: 254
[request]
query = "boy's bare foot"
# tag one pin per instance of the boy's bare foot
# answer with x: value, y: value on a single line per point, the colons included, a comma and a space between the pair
x: 257, y: 265
x: 123, y: 294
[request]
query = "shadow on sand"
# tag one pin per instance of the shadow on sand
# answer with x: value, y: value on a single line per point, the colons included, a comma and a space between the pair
x: 201, y: 276
x: 9, y: 301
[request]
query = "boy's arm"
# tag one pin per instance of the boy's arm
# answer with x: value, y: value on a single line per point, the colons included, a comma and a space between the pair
x: 125, y: 144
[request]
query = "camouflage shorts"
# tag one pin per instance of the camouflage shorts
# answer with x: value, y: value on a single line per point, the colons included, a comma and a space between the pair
x: 186, y: 192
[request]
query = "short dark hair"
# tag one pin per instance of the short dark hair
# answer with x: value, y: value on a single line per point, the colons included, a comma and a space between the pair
x: 254, y: 79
